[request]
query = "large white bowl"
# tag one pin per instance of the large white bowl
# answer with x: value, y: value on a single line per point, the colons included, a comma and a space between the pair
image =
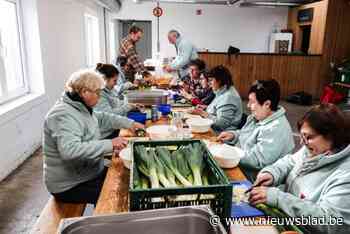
x: 227, y: 156
x: 160, y: 132
x: 125, y: 155
x: 199, y: 125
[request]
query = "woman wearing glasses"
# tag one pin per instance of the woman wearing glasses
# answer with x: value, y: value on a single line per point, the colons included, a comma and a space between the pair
x: 110, y: 102
x: 317, y: 177
x: 267, y: 135
x: 226, y: 108
x: 73, y: 152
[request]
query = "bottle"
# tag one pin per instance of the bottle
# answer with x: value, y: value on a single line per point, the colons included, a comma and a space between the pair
x: 154, y: 113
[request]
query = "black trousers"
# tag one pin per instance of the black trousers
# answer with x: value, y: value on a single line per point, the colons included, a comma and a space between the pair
x: 87, y: 192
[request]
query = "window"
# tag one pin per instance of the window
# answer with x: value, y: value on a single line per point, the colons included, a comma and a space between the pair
x: 92, y: 40
x: 112, y: 51
x: 12, y: 72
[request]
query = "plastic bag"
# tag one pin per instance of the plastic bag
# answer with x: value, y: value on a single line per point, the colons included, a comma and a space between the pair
x: 330, y: 95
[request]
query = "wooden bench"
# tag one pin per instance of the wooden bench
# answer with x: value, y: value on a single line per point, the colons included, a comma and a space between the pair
x: 52, y: 214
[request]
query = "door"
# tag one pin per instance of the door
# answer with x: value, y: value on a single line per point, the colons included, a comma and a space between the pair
x: 144, y: 46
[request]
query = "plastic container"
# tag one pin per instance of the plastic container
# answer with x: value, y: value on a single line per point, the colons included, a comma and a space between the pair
x: 218, y: 195
x: 147, y: 98
x: 199, y: 125
x: 138, y: 117
x: 182, y: 220
x: 165, y: 109
x: 160, y: 132
x: 125, y: 155
x: 225, y: 155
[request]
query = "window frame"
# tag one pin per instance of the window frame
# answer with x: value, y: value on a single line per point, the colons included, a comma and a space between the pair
x: 25, y: 89
x: 112, y: 42
x: 91, y: 44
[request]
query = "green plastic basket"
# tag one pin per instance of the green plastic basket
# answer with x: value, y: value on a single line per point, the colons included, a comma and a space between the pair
x: 220, y: 189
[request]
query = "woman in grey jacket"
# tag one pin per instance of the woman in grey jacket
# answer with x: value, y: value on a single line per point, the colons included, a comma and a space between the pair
x: 317, y: 177
x: 267, y: 135
x: 226, y: 108
x: 73, y: 152
x: 110, y: 102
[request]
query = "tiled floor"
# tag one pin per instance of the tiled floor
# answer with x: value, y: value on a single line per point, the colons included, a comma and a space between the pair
x: 23, y: 195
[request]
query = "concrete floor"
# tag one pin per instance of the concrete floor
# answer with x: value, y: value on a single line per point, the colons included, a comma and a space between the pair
x: 23, y: 194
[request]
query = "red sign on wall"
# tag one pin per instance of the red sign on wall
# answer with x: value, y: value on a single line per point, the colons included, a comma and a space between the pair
x: 157, y: 12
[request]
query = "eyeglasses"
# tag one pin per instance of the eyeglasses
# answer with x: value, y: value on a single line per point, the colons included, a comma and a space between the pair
x: 305, y: 139
x: 97, y: 91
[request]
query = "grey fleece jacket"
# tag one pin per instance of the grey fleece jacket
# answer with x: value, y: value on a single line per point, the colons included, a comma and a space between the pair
x: 316, y: 186
x: 264, y: 142
x: 109, y: 102
x: 225, y: 110
x: 73, y: 153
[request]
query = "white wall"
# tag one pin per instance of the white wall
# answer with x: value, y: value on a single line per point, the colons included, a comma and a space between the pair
x: 54, y: 32
x: 63, y: 40
x: 217, y: 27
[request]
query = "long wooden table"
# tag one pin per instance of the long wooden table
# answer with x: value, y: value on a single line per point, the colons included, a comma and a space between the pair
x: 115, y: 192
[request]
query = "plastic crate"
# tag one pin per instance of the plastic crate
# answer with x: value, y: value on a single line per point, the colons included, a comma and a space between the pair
x: 219, y: 188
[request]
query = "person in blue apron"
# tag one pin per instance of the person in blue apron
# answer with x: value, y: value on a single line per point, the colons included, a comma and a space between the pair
x: 185, y: 52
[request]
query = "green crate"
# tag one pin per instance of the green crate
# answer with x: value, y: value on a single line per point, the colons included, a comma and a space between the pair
x: 220, y: 188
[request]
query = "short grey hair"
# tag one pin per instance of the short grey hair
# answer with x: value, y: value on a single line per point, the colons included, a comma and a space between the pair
x: 84, y: 79
x: 177, y: 34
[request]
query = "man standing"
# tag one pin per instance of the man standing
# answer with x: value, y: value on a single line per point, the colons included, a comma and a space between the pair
x: 186, y: 52
x: 127, y: 49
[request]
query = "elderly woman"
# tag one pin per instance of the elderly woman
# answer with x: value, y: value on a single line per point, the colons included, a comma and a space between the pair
x: 73, y: 152
x: 195, y: 86
x: 267, y: 135
x: 109, y: 101
x: 317, y: 177
x: 226, y: 108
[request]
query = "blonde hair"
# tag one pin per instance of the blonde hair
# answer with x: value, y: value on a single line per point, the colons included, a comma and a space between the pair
x: 84, y: 79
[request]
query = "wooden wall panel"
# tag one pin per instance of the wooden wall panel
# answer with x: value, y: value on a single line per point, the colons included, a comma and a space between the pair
x: 337, y: 40
x: 294, y: 73
x: 318, y: 26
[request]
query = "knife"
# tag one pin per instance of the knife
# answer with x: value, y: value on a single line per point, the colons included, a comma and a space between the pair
x: 253, y: 186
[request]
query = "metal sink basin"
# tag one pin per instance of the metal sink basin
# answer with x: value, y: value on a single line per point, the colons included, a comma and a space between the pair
x: 182, y: 220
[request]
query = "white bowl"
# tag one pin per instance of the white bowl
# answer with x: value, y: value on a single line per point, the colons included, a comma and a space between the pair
x: 199, y: 125
x: 125, y: 155
x: 227, y: 156
x: 160, y: 132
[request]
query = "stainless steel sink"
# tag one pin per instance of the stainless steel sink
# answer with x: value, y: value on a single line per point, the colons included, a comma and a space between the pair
x: 181, y: 220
